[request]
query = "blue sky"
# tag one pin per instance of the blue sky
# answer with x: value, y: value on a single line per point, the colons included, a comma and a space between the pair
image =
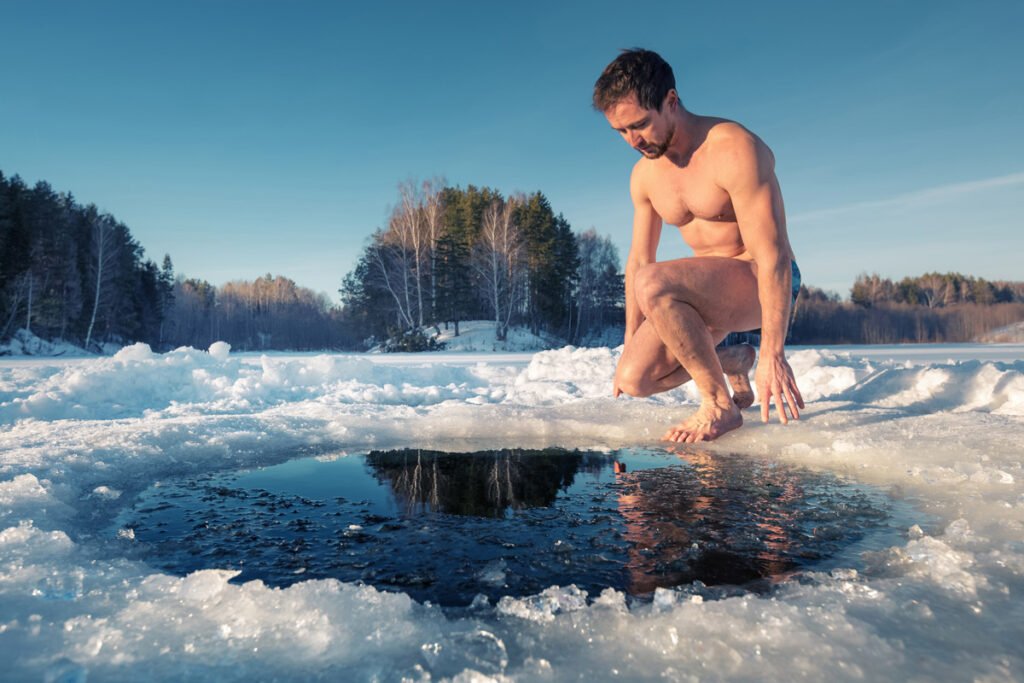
x: 249, y: 137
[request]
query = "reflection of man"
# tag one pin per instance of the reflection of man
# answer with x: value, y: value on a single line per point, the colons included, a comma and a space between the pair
x: 715, y: 180
x: 665, y: 512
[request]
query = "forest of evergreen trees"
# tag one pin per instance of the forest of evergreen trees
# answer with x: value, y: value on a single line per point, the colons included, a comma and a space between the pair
x: 75, y: 273
x: 451, y: 254
x: 71, y: 272
x: 447, y: 255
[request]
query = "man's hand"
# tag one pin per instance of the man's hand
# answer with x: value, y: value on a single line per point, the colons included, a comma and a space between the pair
x: 774, y: 379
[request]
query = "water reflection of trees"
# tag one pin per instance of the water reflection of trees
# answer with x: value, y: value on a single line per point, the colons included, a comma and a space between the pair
x: 482, y: 484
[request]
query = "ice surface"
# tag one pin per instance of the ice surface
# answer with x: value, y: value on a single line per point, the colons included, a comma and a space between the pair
x: 79, y: 439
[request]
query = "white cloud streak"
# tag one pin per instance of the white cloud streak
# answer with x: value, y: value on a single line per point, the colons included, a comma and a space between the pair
x: 926, y: 196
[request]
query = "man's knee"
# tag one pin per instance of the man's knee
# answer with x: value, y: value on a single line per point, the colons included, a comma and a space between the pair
x: 633, y: 383
x: 650, y: 288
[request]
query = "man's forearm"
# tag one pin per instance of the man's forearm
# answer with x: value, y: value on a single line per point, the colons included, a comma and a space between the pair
x: 633, y: 315
x: 774, y: 291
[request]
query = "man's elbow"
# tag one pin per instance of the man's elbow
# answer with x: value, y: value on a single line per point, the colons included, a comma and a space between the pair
x: 771, y: 259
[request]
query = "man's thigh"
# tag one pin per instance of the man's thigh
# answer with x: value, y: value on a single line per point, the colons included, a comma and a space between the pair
x: 647, y: 357
x: 722, y: 290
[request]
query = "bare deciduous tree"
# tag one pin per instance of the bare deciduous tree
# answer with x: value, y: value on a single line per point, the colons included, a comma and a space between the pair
x: 599, y: 282
x: 404, y: 255
x: 499, y: 261
x: 433, y: 215
x: 104, y: 253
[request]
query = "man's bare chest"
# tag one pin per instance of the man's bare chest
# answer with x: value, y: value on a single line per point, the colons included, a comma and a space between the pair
x: 682, y: 197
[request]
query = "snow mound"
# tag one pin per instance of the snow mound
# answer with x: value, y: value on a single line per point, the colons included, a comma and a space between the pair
x: 957, y: 387
x: 220, y: 350
x: 137, y: 382
x: 822, y: 373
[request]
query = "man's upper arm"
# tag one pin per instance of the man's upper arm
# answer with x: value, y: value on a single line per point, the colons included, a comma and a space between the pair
x: 646, y: 222
x: 746, y: 170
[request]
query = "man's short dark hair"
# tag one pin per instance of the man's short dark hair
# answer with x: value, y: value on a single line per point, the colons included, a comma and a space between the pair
x: 634, y: 72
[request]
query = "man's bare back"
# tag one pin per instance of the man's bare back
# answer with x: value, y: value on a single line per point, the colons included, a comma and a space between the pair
x: 715, y: 180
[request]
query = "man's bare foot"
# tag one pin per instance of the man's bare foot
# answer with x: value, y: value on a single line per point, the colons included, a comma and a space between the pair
x: 709, y: 422
x: 737, y: 361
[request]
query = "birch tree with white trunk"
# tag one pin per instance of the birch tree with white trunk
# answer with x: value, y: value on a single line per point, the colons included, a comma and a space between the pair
x: 499, y: 261
x: 104, y: 252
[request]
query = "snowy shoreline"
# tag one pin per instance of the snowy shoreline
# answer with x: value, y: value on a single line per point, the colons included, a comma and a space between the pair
x: 79, y: 438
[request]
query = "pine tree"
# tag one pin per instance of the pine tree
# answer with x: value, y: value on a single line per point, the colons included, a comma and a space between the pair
x: 165, y: 282
x: 15, y: 255
x: 454, y: 283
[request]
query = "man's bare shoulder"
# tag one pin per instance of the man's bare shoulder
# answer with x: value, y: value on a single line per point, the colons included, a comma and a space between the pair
x: 638, y: 179
x: 732, y: 142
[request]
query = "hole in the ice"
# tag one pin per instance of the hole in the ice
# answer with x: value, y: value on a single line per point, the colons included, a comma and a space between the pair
x: 446, y: 527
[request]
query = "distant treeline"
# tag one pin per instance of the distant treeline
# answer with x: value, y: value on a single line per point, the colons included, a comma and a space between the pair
x: 446, y: 255
x: 267, y: 313
x: 73, y: 272
x: 450, y: 254
x: 935, y: 307
x: 934, y: 290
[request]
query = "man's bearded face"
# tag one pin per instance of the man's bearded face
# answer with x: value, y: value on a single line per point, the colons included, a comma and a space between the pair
x: 648, y: 131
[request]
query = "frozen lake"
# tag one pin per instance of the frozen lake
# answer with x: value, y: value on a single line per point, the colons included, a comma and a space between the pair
x: 933, y: 432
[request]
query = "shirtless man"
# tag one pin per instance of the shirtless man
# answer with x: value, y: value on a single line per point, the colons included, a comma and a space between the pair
x: 715, y: 180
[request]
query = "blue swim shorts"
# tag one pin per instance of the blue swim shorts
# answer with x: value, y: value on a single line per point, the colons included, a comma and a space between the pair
x: 792, y: 308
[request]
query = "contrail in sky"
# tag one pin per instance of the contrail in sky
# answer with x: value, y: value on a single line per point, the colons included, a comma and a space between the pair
x: 927, y: 195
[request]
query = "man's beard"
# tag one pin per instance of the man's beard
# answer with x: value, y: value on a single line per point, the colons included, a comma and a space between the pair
x: 656, y: 151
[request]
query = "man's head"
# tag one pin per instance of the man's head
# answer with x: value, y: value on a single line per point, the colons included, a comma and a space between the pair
x: 637, y: 94
x: 638, y: 72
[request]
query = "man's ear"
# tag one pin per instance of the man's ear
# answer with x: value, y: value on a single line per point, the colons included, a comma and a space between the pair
x: 671, y: 100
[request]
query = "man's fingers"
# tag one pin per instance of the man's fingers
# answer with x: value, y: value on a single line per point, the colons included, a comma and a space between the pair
x: 794, y: 389
x: 791, y: 400
x: 780, y: 406
x: 778, y: 385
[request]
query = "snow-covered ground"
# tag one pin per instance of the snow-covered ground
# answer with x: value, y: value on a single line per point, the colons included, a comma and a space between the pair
x: 478, y: 335
x: 24, y: 343
x: 1011, y: 334
x: 80, y: 438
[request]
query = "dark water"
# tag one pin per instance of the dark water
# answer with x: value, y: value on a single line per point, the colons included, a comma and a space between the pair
x: 446, y: 527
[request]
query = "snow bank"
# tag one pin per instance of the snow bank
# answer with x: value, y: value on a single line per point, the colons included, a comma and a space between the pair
x: 79, y: 440
x: 479, y: 335
x: 1011, y: 334
x: 24, y: 343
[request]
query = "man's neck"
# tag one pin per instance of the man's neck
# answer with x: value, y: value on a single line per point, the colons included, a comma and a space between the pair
x: 686, y: 138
